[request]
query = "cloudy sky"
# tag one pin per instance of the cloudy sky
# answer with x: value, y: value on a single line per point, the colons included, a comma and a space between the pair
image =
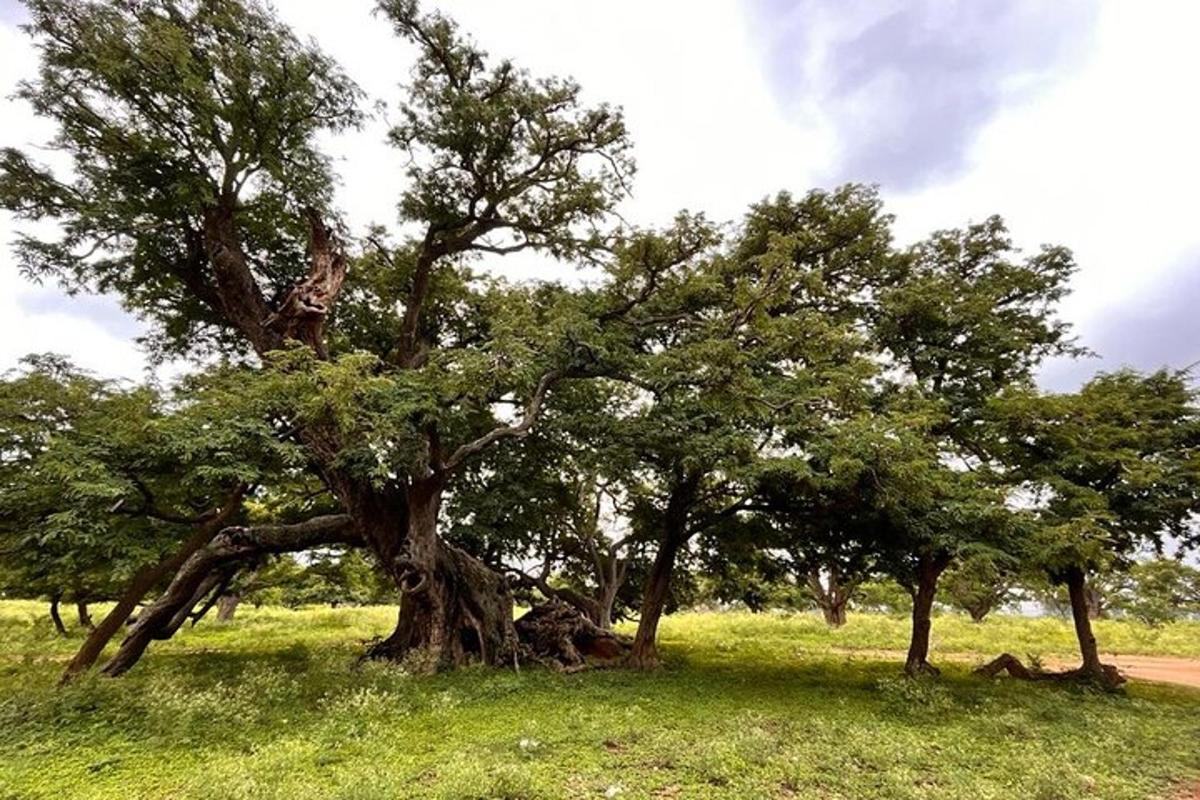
x: 1076, y: 121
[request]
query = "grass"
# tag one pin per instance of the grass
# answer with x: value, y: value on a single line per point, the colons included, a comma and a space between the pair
x: 274, y: 706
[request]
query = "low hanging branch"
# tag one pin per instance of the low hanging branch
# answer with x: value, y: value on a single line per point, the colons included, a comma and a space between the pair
x: 230, y: 547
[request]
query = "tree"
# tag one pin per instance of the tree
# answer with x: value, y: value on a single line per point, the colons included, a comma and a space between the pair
x: 1160, y: 590
x: 981, y: 582
x: 197, y: 189
x: 1110, y: 469
x: 964, y: 317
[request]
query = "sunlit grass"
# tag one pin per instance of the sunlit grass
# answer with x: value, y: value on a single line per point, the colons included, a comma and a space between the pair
x: 275, y: 705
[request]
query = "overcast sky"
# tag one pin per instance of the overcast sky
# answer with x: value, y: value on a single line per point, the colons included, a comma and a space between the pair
x: 1076, y: 121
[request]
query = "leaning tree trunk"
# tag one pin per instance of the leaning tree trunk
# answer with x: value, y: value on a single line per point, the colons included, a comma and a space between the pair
x: 1080, y: 613
x: 230, y: 548
x: 929, y: 569
x: 56, y: 617
x: 453, y: 608
x: 654, y: 600
x: 85, y: 617
x: 143, y: 581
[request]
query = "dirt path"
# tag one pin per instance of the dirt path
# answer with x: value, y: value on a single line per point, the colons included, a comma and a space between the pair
x: 1160, y: 669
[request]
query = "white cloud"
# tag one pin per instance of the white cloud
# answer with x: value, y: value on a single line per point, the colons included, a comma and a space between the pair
x: 1103, y: 162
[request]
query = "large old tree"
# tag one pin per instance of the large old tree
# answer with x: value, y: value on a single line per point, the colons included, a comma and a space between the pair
x: 197, y: 193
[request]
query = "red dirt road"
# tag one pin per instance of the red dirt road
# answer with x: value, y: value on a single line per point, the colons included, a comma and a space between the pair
x: 1159, y: 669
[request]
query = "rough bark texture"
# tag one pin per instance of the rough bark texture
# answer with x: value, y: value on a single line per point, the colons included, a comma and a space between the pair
x: 929, y: 569
x: 232, y: 546
x: 556, y: 634
x: 143, y: 581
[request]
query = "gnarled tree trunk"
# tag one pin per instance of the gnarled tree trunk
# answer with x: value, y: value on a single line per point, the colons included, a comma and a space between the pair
x: 143, y: 581
x: 929, y: 569
x: 453, y: 608
x: 231, y: 547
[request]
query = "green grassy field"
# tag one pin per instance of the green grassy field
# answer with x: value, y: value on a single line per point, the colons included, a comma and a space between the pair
x: 273, y: 705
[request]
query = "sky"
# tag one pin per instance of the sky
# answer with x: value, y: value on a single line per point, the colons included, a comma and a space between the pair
x: 1075, y: 121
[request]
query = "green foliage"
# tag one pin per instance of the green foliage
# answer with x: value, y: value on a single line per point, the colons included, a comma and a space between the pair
x: 1111, y: 468
x: 1159, y: 590
x: 168, y: 109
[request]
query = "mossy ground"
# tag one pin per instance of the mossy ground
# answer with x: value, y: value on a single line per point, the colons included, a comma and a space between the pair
x: 274, y: 705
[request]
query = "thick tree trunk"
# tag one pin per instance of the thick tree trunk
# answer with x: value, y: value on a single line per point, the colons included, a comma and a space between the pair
x: 453, y: 608
x: 929, y: 569
x: 85, y: 618
x: 1080, y: 613
x: 56, y: 617
x: 227, y: 606
x: 143, y: 581
x: 231, y: 547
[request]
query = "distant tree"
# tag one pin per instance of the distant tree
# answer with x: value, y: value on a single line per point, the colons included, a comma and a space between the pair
x: 1160, y: 590
x: 981, y: 582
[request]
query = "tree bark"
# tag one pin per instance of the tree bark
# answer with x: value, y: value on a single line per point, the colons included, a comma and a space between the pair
x: 85, y: 618
x: 143, y: 581
x: 658, y: 585
x: 227, y: 606
x: 453, y: 608
x: 1080, y: 613
x: 929, y: 569
x: 55, y: 617
x: 229, y: 548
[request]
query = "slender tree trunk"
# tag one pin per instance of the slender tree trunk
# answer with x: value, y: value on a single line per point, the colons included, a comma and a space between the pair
x: 1077, y: 589
x: 227, y: 606
x: 143, y: 581
x: 55, y: 617
x: 453, y: 608
x: 929, y: 569
x: 85, y: 618
x: 654, y: 600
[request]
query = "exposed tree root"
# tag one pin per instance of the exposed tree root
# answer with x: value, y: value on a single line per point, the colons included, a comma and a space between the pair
x: 557, y: 634
x: 1108, y: 676
x: 914, y: 669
